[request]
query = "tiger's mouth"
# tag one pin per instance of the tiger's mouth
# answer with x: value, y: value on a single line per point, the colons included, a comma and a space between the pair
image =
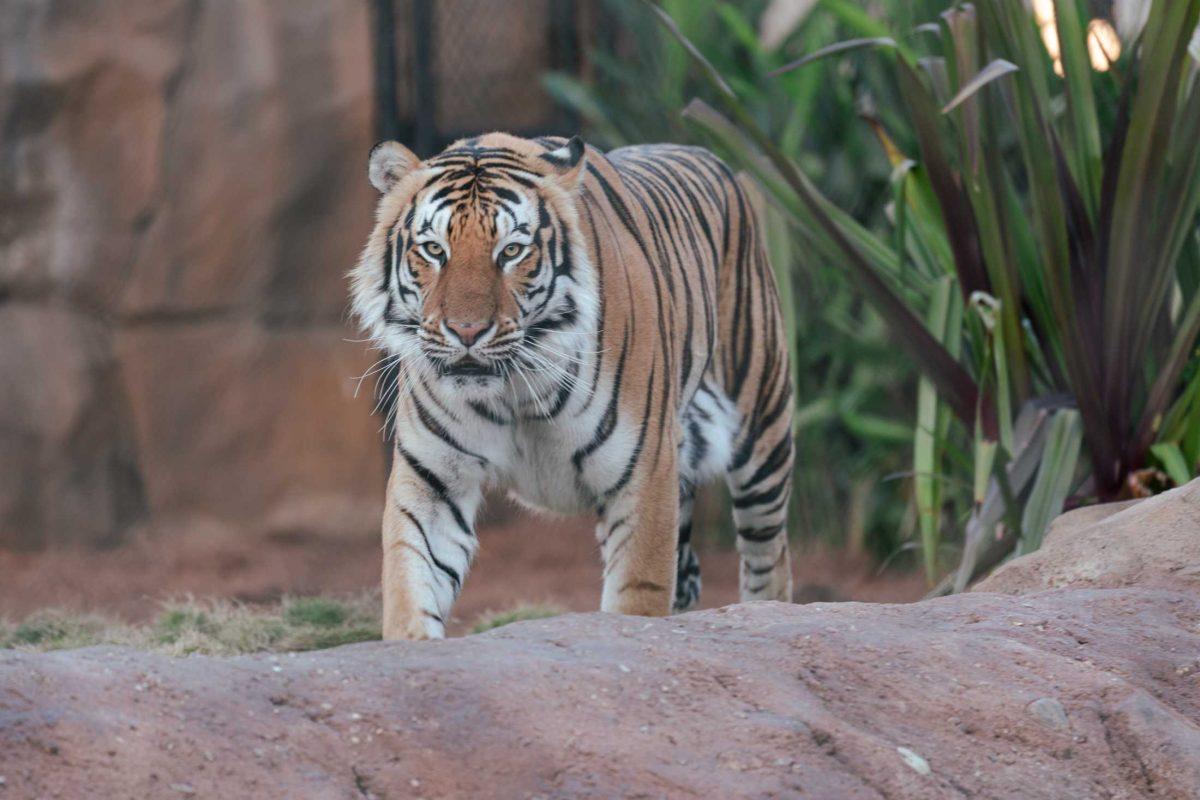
x: 468, y: 367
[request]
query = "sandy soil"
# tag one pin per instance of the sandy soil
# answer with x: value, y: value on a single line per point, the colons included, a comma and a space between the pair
x: 523, y: 559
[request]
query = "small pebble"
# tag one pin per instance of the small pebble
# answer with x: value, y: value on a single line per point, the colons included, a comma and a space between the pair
x: 918, y: 764
x: 1049, y: 712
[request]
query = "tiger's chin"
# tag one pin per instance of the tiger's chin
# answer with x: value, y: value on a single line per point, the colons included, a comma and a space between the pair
x: 472, y: 378
x: 469, y: 368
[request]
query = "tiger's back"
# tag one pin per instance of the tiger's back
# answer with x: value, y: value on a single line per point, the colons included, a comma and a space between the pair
x: 710, y: 307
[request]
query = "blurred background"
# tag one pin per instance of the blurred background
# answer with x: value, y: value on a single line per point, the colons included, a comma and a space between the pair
x: 183, y: 188
x: 182, y: 194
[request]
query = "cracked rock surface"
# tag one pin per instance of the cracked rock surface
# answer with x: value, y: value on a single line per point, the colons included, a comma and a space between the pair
x: 1072, y: 693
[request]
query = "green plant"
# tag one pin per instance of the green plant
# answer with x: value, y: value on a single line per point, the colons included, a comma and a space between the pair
x: 53, y: 630
x: 210, y: 627
x: 319, y: 612
x: 1042, y: 266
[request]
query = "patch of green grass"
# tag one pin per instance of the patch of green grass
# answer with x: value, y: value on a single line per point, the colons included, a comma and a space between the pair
x: 319, y: 612
x: 492, y: 620
x: 223, y: 628
x: 56, y: 630
x: 215, y: 627
x: 298, y: 623
x: 175, y: 623
x: 322, y: 640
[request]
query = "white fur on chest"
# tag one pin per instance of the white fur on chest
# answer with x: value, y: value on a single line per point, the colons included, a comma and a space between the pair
x: 540, y: 473
x: 555, y: 465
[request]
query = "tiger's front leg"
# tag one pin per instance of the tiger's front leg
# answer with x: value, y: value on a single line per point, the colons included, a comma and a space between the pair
x: 428, y: 545
x: 638, y: 536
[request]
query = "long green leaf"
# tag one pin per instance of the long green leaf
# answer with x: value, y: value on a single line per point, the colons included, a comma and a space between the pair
x: 1168, y: 373
x: 993, y: 71
x: 832, y: 50
x: 1055, y: 476
x: 981, y: 545
x: 954, y: 383
x: 985, y: 184
x: 1081, y: 102
x: 1179, y: 199
x: 1136, y: 286
x: 930, y: 430
x: 960, y: 224
x: 1011, y: 33
x: 1175, y: 465
x: 925, y: 220
x: 852, y: 14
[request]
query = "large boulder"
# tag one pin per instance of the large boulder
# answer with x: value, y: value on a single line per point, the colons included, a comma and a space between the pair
x: 253, y: 430
x: 162, y: 156
x: 68, y: 460
x: 181, y: 194
x: 1151, y: 542
x: 169, y: 168
x: 1063, y: 694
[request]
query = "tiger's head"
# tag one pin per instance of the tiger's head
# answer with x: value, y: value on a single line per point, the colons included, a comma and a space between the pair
x: 475, y: 255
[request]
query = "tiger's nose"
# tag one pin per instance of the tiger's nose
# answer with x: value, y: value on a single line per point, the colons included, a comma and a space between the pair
x: 468, y: 332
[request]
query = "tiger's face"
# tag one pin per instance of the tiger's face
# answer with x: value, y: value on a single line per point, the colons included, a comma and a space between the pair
x: 465, y: 268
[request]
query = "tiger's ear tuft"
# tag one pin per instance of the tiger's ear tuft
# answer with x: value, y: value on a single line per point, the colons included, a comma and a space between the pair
x: 568, y: 162
x: 388, y: 163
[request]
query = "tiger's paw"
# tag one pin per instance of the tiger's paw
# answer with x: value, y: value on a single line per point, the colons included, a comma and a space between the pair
x: 412, y: 629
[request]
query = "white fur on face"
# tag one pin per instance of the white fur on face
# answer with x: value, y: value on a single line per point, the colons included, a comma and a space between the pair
x: 390, y: 306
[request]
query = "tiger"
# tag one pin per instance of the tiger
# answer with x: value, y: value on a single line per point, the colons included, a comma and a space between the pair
x: 596, y: 333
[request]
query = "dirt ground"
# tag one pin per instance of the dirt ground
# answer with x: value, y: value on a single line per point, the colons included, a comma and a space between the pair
x: 523, y: 559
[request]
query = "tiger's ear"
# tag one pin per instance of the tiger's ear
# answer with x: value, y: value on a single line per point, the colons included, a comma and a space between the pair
x: 567, y: 163
x: 388, y: 163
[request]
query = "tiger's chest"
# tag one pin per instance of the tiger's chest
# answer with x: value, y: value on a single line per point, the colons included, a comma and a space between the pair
x: 555, y: 468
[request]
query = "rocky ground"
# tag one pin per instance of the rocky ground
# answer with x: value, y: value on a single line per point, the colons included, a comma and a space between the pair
x: 1092, y: 690
x: 1063, y: 694
x: 1153, y: 542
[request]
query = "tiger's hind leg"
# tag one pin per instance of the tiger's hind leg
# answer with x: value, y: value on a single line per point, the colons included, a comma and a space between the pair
x: 760, y: 482
x: 687, y: 565
x: 707, y: 427
x: 755, y: 376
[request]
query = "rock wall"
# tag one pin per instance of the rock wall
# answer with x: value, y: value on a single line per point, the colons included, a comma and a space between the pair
x: 181, y: 194
x: 182, y: 191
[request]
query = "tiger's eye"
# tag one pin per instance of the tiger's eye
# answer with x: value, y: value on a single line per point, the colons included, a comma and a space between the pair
x: 512, y: 250
x: 434, y: 249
